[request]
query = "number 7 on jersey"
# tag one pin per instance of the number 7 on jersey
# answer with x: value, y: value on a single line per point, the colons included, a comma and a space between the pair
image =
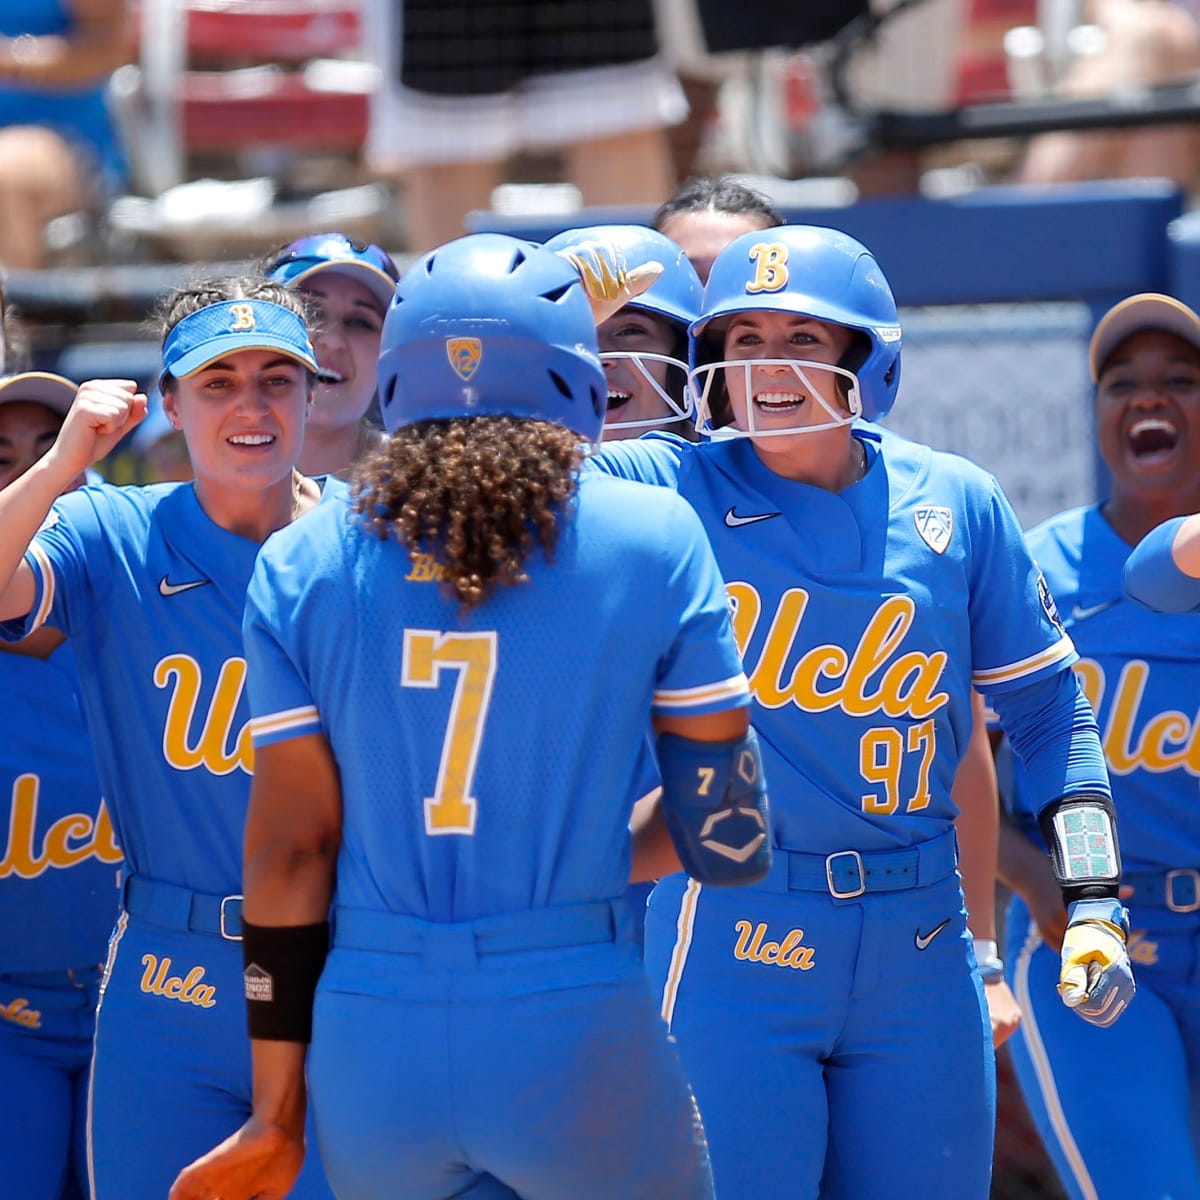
x: 451, y: 808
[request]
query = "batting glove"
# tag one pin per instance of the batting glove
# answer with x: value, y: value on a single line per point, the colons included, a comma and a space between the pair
x: 1095, y: 979
x: 609, y: 284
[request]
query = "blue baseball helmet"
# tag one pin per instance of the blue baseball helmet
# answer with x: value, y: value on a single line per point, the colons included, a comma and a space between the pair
x: 677, y: 292
x: 490, y: 325
x: 814, y: 272
x: 675, y: 297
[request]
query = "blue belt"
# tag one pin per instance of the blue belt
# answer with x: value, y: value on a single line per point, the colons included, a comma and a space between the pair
x: 180, y: 908
x: 456, y: 946
x: 846, y: 874
x: 76, y: 977
x: 1177, y: 889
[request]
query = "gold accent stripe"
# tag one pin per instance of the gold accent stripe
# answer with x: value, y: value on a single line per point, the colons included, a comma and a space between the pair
x: 290, y: 718
x: 683, y: 943
x: 1026, y: 666
x: 737, y: 685
x: 1042, y: 1068
x: 47, y: 573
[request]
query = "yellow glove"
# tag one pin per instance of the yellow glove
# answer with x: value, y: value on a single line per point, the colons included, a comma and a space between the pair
x: 1095, y: 978
x: 607, y: 281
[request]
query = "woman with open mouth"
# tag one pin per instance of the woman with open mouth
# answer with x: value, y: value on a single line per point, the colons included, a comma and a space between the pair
x: 1139, y: 672
x: 872, y: 582
x: 644, y: 345
x: 348, y: 286
x: 149, y: 584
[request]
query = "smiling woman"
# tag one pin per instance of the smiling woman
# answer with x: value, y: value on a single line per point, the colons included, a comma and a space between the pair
x: 1139, y: 672
x: 148, y: 585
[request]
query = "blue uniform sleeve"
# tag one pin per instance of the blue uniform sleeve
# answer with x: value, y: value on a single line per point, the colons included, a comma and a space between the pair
x: 1053, y: 733
x: 71, y: 564
x: 702, y: 671
x: 1017, y: 636
x: 281, y: 705
x: 1153, y: 579
x: 655, y: 458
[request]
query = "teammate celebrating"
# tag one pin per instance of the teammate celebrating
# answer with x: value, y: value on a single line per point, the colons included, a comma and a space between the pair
x: 349, y: 286
x: 644, y: 345
x: 1139, y: 671
x: 872, y: 582
x: 58, y: 872
x: 149, y: 585
x: 479, y: 876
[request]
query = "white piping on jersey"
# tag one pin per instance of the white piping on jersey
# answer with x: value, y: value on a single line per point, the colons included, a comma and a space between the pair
x: 282, y: 722
x: 684, y: 927
x: 109, y: 963
x: 1043, y: 1071
x: 993, y: 675
x: 734, y: 686
x: 43, y: 609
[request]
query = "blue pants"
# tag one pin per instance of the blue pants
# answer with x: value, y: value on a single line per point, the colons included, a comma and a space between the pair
x: 829, y: 1055
x: 1116, y: 1108
x: 171, y: 1071
x: 452, y: 1067
x: 45, y: 1048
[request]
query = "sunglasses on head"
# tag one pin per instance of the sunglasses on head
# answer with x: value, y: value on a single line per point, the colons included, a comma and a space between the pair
x: 334, y: 247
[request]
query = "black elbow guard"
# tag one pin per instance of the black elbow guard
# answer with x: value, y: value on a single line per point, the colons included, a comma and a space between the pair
x: 715, y: 806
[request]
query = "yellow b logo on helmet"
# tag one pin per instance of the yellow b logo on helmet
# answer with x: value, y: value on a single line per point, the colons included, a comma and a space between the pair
x: 770, y: 267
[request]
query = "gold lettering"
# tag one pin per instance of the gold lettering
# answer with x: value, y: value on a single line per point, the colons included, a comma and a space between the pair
x: 156, y: 981
x: 93, y: 837
x: 751, y: 947
x: 19, y: 1013
x: 827, y: 676
x: 210, y: 751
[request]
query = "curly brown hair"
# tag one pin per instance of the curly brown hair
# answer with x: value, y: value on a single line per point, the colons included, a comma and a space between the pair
x: 477, y: 494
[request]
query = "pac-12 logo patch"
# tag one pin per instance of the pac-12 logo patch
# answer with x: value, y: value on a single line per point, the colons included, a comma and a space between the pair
x: 464, y: 355
x: 1051, y: 609
x: 935, y: 525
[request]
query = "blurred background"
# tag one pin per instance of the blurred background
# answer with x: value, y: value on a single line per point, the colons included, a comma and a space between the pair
x: 1016, y: 166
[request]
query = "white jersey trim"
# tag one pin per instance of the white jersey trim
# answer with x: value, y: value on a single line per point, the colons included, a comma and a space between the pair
x: 1061, y: 649
x: 44, y: 566
x: 290, y: 721
x: 709, y: 693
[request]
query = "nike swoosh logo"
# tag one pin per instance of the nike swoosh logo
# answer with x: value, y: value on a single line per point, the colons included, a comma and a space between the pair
x: 1082, y: 614
x: 734, y: 521
x: 922, y: 940
x: 166, y: 588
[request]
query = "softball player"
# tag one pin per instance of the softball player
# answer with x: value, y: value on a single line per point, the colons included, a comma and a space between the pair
x: 643, y: 346
x: 58, y: 865
x: 1139, y: 672
x: 872, y: 582
x: 481, y: 1026
x: 148, y: 584
x: 349, y: 287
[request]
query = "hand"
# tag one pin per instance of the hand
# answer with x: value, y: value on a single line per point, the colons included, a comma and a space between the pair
x: 1095, y: 979
x: 102, y: 413
x: 258, y: 1162
x: 607, y: 281
x: 1003, y: 1010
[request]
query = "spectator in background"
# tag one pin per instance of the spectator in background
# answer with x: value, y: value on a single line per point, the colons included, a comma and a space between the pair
x: 59, y: 151
x: 707, y: 213
x: 1146, y: 43
x: 466, y: 85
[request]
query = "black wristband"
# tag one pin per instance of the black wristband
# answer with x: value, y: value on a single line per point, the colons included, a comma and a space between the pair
x: 282, y: 966
x: 1087, y: 859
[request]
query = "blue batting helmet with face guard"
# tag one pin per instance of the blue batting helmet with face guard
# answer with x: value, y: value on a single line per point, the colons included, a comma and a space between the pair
x: 814, y: 272
x: 490, y: 325
x: 674, y: 296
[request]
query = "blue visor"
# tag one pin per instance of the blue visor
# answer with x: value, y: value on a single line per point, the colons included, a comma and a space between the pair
x: 230, y: 327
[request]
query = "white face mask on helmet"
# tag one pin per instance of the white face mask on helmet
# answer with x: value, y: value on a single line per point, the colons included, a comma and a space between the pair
x: 678, y: 408
x: 703, y: 379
